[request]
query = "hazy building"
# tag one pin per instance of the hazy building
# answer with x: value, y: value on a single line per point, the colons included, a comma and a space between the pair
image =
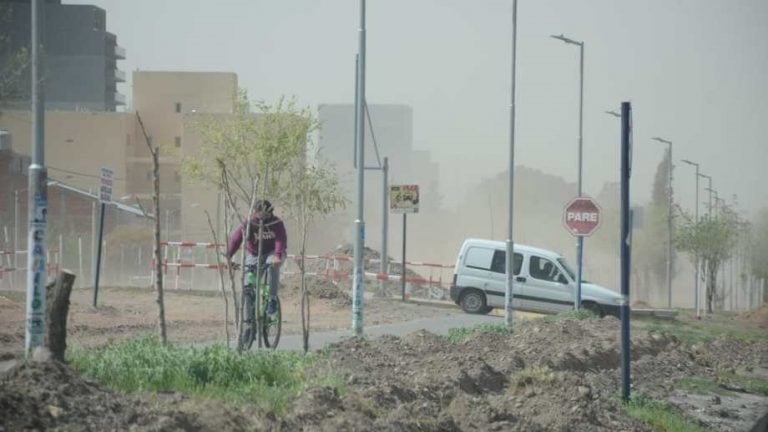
x: 392, y: 132
x: 78, y: 144
x: 80, y: 56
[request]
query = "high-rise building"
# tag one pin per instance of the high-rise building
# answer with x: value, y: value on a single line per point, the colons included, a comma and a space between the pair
x: 81, y: 56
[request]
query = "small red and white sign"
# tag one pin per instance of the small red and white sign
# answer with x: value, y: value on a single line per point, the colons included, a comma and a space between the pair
x: 582, y: 216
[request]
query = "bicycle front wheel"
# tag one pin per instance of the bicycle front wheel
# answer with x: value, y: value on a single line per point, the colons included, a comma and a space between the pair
x: 271, y: 325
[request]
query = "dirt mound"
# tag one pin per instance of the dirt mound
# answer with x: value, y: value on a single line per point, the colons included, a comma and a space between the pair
x: 319, y: 287
x: 49, y: 395
x: 758, y: 317
x: 547, y: 375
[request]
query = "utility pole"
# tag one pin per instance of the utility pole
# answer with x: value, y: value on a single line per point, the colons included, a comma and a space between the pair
x: 358, y: 282
x: 510, y: 267
x: 696, y: 263
x: 579, y: 239
x: 37, y: 192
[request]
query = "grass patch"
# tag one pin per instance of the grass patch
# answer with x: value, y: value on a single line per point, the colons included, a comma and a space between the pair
x: 580, y: 314
x: 700, y: 386
x: 696, y: 332
x: 749, y: 384
x: 460, y: 334
x: 659, y: 415
x: 268, y: 379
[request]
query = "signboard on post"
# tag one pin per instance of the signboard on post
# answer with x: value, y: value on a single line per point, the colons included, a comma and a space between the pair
x: 404, y: 199
x: 582, y: 216
x: 105, y: 191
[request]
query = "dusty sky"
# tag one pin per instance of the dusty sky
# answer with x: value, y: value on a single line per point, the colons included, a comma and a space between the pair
x: 694, y: 70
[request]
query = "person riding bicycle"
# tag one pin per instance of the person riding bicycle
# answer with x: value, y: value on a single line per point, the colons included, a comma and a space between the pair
x: 273, y: 243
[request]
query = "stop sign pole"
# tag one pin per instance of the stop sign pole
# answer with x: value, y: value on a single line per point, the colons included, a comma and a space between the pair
x: 581, y: 218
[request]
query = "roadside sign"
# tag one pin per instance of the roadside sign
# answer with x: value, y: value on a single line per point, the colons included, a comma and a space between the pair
x: 582, y: 216
x: 404, y: 199
x: 105, y: 191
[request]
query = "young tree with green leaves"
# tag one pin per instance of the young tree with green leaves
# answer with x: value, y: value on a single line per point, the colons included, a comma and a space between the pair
x: 314, y: 192
x: 14, y: 62
x: 254, y: 152
x: 711, y: 240
x: 759, y: 246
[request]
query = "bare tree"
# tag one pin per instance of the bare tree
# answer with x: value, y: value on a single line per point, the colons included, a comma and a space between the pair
x: 153, y: 150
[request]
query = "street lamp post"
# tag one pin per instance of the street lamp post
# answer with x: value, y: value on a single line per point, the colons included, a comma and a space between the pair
x: 709, y: 188
x: 580, y: 239
x: 696, y: 263
x: 669, y: 219
x: 510, y: 268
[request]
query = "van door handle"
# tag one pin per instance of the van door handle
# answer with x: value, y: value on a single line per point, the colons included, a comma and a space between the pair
x: 521, y: 279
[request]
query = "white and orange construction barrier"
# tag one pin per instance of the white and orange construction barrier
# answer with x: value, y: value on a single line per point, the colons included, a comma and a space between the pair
x: 329, y: 267
x: 8, y: 268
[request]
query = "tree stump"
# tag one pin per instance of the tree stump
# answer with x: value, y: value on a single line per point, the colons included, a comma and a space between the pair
x: 57, y: 309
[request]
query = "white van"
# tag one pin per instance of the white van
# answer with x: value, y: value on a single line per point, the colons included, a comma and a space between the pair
x: 544, y: 282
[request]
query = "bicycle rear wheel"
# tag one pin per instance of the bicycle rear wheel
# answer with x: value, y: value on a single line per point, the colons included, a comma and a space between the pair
x: 271, y: 325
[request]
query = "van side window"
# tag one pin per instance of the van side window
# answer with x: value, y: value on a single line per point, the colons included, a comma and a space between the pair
x: 479, y: 258
x: 499, y: 264
x: 543, y: 269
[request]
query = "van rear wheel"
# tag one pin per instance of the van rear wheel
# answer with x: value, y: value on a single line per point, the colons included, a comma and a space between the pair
x: 594, y: 308
x: 473, y: 302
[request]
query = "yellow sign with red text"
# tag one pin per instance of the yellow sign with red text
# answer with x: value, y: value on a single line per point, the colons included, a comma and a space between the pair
x: 404, y: 199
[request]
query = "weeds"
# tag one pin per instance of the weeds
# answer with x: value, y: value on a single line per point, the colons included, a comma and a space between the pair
x: 267, y: 379
x: 660, y: 415
x: 749, y: 384
x: 460, y: 334
x: 700, y: 386
x: 580, y: 314
x: 697, y: 332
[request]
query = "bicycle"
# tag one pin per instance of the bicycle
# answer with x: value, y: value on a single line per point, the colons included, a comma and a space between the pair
x: 270, y: 324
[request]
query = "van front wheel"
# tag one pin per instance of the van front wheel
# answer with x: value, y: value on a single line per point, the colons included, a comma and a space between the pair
x: 473, y: 302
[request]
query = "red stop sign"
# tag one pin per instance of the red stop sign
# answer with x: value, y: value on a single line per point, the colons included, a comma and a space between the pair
x: 582, y: 216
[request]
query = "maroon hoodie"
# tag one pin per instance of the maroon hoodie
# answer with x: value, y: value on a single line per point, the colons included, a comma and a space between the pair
x: 273, y: 239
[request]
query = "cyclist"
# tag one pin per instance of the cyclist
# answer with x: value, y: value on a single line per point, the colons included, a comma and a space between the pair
x: 273, y: 243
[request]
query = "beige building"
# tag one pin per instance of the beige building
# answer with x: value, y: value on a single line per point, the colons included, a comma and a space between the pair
x: 77, y: 143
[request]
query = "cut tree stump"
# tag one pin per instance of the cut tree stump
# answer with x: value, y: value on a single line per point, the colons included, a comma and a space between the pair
x: 57, y: 309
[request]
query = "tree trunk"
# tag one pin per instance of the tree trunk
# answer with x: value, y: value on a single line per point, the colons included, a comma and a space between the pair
x: 158, y: 254
x: 711, y: 285
x: 57, y: 309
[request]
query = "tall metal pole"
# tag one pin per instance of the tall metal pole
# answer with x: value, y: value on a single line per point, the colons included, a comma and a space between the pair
x: 696, y: 272
x: 626, y: 125
x: 358, y: 287
x: 579, y: 239
x: 510, y: 269
x: 97, y: 256
x: 709, y: 188
x: 384, y: 266
x: 37, y: 192
x: 669, y: 230
x: 402, y: 269
x: 16, y: 245
x: 696, y: 259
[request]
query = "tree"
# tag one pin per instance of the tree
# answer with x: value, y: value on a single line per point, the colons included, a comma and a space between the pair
x: 248, y: 154
x: 657, y: 227
x: 759, y: 256
x: 710, y: 241
x: 153, y: 150
x: 314, y: 191
x: 14, y: 61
